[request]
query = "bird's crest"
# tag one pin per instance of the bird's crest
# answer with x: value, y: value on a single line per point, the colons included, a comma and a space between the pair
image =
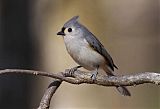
x: 72, y: 21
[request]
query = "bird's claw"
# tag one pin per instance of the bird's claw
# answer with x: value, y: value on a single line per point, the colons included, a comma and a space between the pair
x: 72, y: 70
x: 94, y: 76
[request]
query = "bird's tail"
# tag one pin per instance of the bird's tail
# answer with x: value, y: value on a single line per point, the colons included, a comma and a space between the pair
x: 121, y: 89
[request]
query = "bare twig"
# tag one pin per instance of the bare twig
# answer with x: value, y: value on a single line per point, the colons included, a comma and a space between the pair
x: 45, y: 101
x: 79, y: 77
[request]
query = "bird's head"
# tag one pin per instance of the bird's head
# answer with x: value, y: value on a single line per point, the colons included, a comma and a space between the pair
x: 71, y: 28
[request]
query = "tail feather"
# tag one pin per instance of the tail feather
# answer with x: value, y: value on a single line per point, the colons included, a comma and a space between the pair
x: 115, y: 66
x: 123, y: 90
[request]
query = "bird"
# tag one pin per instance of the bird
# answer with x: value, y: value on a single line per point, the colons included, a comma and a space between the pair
x: 87, y: 50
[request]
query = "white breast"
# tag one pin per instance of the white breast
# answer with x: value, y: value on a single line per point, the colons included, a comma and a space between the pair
x: 83, y: 54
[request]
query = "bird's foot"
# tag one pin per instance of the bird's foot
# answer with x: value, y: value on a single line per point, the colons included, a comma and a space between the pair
x: 72, y: 70
x: 94, y: 75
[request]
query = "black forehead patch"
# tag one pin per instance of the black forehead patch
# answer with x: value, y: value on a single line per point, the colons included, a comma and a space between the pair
x: 63, y: 29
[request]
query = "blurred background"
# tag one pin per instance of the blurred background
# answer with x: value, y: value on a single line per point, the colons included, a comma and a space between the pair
x: 129, y: 29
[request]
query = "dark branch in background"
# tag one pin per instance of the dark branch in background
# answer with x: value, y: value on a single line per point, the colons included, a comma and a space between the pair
x: 79, y: 77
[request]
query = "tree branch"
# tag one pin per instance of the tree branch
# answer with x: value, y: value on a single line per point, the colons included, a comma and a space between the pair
x: 45, y: 101
x: 79, y: 77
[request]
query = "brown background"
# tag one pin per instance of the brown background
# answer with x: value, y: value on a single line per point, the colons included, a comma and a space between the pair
x: 129, y: 30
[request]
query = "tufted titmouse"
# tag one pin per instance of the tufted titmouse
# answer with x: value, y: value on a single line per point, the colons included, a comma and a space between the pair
x: 87, y: 50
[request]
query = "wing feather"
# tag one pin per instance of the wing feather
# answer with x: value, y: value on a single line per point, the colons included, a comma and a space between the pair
x: 96, y: 45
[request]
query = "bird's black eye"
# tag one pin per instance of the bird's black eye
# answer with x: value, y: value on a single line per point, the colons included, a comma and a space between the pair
x: 69, y: 29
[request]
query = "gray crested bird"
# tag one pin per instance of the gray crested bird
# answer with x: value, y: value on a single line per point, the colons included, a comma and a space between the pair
x: 87, y: 51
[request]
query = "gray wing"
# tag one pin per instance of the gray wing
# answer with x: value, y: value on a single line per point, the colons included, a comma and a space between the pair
x: 96, y: 45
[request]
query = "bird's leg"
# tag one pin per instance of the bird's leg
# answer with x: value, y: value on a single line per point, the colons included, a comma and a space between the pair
x: 72, y: 70
x: 94, y: 74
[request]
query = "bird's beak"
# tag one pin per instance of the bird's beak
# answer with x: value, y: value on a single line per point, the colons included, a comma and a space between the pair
x: 61, y: 33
